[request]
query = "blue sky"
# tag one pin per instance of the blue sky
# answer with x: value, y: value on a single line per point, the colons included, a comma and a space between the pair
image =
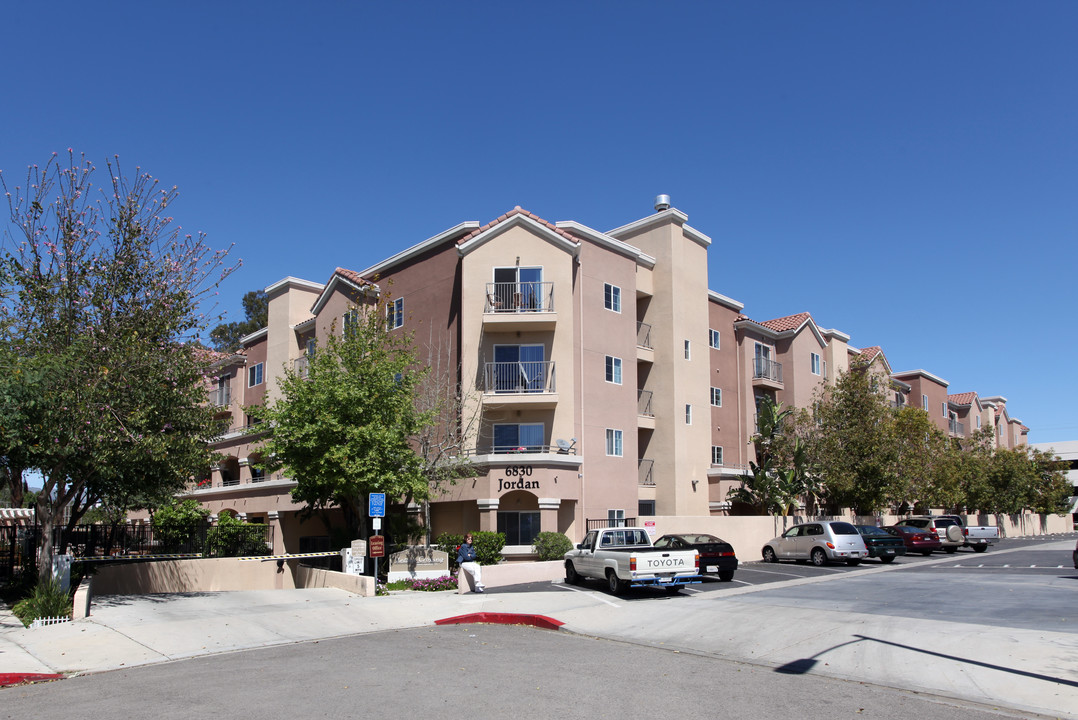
x: 906, y: 172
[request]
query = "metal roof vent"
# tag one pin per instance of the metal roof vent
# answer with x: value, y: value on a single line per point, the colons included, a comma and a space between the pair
x: 662, y: 202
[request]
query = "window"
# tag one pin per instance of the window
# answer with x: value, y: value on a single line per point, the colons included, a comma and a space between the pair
x: 716, y: 455
x: 978, y: 422
x: 520, y: 528
x: 614, y: 447
x: 645, y: 508
x: 394, y: 314
x: 518, y: 289
x: 944, y: 405
x: 616, y: 518
x: 350, y: 322
x: 311, y: 345
x: 688, y: 350
x: 613, y: 370
x: 519, y: 437
x: 518, y: 369
x: 815, y: 362
x: 612, y: 297
x: 924, y: 402
x: 254, y: 375
x: 825, y: 369
x: 713, y: 339
x: 716, y: 397
x: 688, y: 414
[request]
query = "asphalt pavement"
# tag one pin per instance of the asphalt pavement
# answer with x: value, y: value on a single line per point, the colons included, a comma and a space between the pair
x: 784, y: 626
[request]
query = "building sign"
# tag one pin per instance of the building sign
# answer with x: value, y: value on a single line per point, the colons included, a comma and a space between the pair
x: 377, y: 544
x: 517, y: 477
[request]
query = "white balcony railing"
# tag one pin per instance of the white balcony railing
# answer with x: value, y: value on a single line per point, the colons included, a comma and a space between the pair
x: 529, y: 376
x: 221, y: 397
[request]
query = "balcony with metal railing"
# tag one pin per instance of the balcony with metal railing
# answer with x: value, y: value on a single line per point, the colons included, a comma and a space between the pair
x: 301, y: 366
x: 766, y: 373
x: 645, y: 467
x: 645, y: 351
x: 519, y: 306
x: 221, y: 397
x: 524, y: 382
x: 645, y: 415
x: 956, y: 428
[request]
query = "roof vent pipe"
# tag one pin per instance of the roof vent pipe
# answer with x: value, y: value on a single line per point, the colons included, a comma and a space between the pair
x: 662, y: 202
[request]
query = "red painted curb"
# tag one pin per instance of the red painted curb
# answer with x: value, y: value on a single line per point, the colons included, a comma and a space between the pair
x: 539, y: 621
x: 20, y: 678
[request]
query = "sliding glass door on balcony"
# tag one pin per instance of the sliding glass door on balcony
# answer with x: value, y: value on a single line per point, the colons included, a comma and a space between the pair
x: 519, y: 289
x: 519, y: 437
x: 518, y: 369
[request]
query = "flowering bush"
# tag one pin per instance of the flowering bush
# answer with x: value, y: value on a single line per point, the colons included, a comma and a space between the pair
x: 445, y: 582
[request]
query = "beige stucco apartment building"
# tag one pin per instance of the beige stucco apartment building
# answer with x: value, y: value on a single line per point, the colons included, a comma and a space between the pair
x: 605, y: 377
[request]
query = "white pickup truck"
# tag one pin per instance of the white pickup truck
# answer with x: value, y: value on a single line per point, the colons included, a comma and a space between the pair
x: 624, y: 557
x: 978, y: 537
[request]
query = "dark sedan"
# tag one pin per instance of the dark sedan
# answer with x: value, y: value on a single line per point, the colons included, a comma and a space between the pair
x: 916, y: 539
x: 880, y: 543
x: 716, y: 555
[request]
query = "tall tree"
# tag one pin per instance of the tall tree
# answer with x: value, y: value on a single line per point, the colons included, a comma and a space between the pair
x: 226, y: 336
x: 854, y: 442
x: 99, y: 296
x: 345, y: 430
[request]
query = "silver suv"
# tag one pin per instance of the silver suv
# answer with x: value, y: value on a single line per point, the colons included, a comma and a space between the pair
x: 819, y: 542
x: 946, y: 528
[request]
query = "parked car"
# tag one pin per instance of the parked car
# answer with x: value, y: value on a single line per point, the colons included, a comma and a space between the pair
x: 716, y: 555
x: 916, y: 539
x: 950, y: 539
x: 978, y: 537
x: 819, y: 542
x: 880, y: 543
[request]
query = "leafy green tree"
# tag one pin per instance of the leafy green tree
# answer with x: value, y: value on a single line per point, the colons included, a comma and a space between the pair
x: 175, y: 525
x: 853, y: 443
x: 345, y: 429
x: 226, y: 336
x: 99, y: 297
x: 782, y: 474
x: 926, y: 465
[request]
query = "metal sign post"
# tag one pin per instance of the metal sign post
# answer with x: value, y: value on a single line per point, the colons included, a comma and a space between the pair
x: 376, y: 508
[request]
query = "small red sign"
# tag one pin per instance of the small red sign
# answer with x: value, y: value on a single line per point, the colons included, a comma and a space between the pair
x: 377, y: 545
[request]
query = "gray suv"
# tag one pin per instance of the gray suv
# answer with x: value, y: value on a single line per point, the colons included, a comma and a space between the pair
x: 819, y: 542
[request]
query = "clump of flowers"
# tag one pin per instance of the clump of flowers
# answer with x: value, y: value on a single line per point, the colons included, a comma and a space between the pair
x: 380, y: 589
x: 446, y: 582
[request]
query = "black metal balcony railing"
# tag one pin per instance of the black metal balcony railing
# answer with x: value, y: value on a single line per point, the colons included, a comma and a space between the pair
x: 528, y: 376
x: 643, y: 335
x: 221, y: 397
x: 645, y: 467
x: 764, y: 369
x: 643, y: 403
x: 505, y: 297
x: 519, y: 449
x: 610, y: 522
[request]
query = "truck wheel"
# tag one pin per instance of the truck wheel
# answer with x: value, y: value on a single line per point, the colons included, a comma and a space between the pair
x: 819, y: 559
x: 950, y: 549
x: 615, y: 583
x: 769, y: 555
x: 980, y: 548
x: 726, y: 575
x: 571, y: 575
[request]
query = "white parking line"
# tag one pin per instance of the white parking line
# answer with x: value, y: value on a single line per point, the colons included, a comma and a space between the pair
x: 588, y: 592
x: 772, y: 572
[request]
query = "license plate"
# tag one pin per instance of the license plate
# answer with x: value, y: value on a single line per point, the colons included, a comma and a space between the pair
x: 712, y: 568
x: 888, y: 552
x: 854, y: 554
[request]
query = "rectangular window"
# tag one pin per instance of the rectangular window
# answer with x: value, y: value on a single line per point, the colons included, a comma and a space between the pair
x: 815, y: 362
x: 350, y: 321
x: 825, y: 369
x: 924, y: 402
x: 616, y: 518
x: 978, y: 422
x: 688, y: 350
x: 520, y: 528
x: 311, y: 345
x: 254, y: 375
x: 612, y: 297
x: 645, y: 508
x: 394, y: 314
x: 716, y: 455
x: 613, y: 370
x: 713, y: 339
x: 518, y: 437
x: 688, y: 414
x: 614, y: 443
x: 944, y: 405
x: 716, y: 397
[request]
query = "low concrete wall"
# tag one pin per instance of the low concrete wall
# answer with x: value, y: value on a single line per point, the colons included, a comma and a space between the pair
x: 308, y: 577
x: 749, y: 533
x: 201, y: 575
x: 516, y: 573
x: 80, y: 606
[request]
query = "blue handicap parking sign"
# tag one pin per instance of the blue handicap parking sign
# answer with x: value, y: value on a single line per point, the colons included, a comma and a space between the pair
x: 377, y: 505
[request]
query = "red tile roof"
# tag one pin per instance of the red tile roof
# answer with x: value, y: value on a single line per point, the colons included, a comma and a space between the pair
x: 351, y: 276
x: 790, y: 322
x: 965, y: 398
x: 518, y: 211
x: 869, y: 354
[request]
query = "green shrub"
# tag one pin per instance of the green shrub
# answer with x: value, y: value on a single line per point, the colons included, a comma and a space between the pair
x: 175, y: 526
x: 552, y: 545
x: 488, y: 547
x: 234, y: 538
x: 46, y: 601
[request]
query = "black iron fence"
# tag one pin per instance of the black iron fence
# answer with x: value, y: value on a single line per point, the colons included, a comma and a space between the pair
x: 18, y: 545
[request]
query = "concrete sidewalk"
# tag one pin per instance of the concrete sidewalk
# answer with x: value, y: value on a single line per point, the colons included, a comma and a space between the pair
x: 1023, y: 669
